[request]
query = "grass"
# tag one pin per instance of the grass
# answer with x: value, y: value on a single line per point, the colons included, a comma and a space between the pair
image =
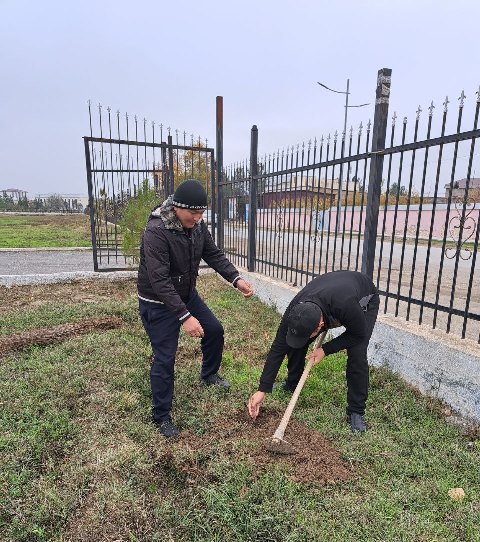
x: 80, y: 460
x: 38, y: 231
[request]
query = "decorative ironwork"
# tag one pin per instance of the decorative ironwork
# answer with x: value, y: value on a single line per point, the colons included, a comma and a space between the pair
x: 457, y: 227
x: 445, y: 104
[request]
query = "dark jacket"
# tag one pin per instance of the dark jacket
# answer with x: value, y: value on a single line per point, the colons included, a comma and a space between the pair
x: 342, y: 296
x: 170, y: 257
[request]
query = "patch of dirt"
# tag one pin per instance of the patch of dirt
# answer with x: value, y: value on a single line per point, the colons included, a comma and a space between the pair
x: 315, y: 460
x: 47, y: 335
x: 24, y: 297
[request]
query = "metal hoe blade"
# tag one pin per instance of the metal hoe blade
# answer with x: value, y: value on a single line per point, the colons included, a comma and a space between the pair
x: 279, y: 446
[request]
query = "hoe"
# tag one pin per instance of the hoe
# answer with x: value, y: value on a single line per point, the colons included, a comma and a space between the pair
x: 277, y: 444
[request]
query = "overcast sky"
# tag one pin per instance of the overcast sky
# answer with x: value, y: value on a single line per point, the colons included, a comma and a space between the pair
x: 167, y: 61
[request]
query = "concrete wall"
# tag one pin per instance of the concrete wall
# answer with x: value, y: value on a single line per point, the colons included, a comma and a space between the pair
x: 437, y: 364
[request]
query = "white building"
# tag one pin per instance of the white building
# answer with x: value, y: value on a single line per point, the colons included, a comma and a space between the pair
x: 14, y: 193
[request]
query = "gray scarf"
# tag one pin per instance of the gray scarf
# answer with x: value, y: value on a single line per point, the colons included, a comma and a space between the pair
x: 166, y: 212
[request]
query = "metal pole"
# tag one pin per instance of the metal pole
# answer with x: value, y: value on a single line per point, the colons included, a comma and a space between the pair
x: 171, y: 177
x: 376, y: 170
x: 165, y: 174
x: 220, y: 191
x: 91, y: 208
x: 340, y: 177
x: 213, y: 205
x: 252, y: 209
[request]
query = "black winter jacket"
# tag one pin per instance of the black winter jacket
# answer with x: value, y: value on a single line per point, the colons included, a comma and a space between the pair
x: 342, y: 296
x: 170, y: 259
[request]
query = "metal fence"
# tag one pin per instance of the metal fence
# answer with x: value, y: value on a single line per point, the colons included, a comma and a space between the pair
x: 129, y: 160
x: 394, y: 200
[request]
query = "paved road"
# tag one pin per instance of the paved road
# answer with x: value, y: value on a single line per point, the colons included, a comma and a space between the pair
x: 291, y: 250
x: 29, y: 262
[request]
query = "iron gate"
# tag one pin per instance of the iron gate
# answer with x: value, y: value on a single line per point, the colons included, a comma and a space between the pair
x: 125, y: 174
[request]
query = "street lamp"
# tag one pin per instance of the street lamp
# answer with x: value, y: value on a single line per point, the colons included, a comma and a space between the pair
x: 340, y: 179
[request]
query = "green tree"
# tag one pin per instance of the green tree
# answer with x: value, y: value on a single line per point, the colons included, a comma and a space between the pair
x: 22, y: 204
x: 134, y: 217
x: 6, y: 203
x: 55, y: 202
x: 395, y: 190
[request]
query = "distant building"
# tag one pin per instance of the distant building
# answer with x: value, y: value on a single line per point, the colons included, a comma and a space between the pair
x: 72, y: 201
x: 14, y: 193
x: 458, y: 190
x: 293, y: 188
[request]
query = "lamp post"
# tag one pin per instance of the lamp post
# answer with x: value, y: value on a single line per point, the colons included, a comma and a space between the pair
x: 340, y: 179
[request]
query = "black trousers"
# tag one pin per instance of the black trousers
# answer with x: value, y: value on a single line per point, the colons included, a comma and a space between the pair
x: 357, y: 363
x: 163, y: 329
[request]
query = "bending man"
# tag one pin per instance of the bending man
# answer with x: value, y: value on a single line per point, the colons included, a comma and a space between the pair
x: 339, y: 298
x: 173, y: 243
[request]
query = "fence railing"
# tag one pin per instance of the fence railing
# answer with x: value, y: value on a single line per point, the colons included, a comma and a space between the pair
x: 406, y: 212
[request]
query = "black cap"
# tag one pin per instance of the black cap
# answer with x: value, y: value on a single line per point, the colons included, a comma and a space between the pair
x: 302, y: 321
x: 190, y: 195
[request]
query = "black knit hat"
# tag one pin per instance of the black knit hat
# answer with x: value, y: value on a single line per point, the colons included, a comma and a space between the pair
x: 302, y: 321
x: 190, y: 195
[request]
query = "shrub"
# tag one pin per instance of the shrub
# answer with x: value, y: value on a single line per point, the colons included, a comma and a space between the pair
x: 134, y: 217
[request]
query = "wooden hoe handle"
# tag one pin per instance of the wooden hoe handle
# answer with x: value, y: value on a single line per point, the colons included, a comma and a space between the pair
x: 291, y: 405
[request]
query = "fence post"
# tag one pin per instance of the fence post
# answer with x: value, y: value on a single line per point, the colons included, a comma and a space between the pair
x: 252, y: 200
x: 91, y: 204
x: 165, y: 173
x: 376, y: 170
x: 171, y: 178
x: 220, y: 188
x: 213, y: 198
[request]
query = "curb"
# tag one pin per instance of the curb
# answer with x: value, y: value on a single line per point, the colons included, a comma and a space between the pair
x: 8, y: 281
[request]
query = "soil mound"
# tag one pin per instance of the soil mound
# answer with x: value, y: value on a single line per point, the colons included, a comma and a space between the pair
x: 44, y: 336
x: 315, y: 460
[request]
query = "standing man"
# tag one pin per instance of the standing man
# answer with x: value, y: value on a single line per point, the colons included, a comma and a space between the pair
x: 173, y: 243
x: 339, y: 298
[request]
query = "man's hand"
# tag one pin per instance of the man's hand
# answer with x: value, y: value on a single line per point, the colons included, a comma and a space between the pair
x: 316, y: 356
x: 254, y: 403
x: 244, y: 287
x: 192, y: 327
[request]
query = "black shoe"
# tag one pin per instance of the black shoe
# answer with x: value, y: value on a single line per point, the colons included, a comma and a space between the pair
x: 167, y: 427
x: 283, y: 386
x: 357, y: 422
x: 215, y: 380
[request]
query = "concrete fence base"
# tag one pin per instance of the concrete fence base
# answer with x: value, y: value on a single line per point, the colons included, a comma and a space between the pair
x: 436, y: 363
